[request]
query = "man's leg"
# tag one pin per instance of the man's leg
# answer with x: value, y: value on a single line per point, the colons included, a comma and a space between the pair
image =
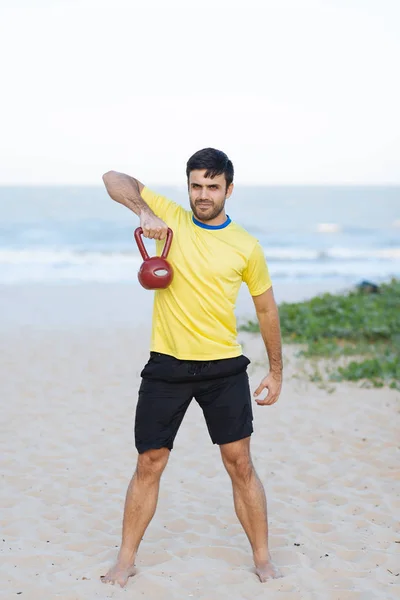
x: 250, y: 503
x: 140, y: 506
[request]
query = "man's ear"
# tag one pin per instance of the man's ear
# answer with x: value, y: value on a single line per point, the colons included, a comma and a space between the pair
x: 229, y: 190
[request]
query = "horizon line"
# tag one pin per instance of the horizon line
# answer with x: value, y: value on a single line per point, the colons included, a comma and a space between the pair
x: 240, y: 184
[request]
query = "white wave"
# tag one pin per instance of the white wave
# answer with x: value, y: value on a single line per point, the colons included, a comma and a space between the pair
x: 119, y: 271
x: 328, y: 228
x: 351, y: 270
x: 375, y: 253
x: 333, y: 253
x: 67, y: 257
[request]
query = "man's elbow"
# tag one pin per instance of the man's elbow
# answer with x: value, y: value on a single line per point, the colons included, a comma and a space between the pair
x: 109, y: 177
x: 269, y: 309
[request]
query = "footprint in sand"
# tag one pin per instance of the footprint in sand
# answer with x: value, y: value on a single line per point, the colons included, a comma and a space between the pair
x: 192, y: 538
x: 286, y: 558
x: 178, y: 526
x: 318, y: 527
x: 231, y: 556
x: 349, y: 555
x: 353, y: 595
x: 154, y: 559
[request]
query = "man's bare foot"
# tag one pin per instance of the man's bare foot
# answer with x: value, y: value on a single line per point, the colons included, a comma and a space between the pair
x: 119, y: 573
x: 266, y: 571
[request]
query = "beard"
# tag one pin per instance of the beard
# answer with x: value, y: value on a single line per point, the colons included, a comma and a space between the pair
x: 208, y: 213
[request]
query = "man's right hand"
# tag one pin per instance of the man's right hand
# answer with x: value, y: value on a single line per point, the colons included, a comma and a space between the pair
x: 153, y: 227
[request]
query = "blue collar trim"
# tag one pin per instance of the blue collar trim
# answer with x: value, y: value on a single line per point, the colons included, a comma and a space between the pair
x: 205, y: 226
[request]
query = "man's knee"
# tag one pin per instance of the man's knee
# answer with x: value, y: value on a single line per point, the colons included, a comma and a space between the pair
x: 237, y: 461
x: 240, y: 469
x: 152, y: 463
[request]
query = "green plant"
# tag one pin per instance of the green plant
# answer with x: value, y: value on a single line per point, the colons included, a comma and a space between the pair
x: 352, y: 324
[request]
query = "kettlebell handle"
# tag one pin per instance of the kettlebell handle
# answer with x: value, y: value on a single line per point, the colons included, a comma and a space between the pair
x: 141, y: 246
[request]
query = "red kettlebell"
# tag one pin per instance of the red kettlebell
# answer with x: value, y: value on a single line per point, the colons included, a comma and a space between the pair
x: 155, y: 273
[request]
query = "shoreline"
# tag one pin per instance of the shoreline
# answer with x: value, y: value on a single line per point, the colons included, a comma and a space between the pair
x: 64, y: 305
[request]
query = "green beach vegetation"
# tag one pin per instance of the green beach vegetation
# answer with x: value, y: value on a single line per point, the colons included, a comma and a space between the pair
x: 360, y: 328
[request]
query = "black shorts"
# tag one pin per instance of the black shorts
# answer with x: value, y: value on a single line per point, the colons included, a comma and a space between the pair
x: 221, y: 388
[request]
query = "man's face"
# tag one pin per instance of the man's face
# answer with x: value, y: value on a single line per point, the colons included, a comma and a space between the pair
x: 207, y: 196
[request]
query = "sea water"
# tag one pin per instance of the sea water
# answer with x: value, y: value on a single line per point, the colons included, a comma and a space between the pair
x: 309, y: 234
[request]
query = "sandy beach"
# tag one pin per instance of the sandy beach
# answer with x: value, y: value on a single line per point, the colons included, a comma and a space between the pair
x: 70, y: 368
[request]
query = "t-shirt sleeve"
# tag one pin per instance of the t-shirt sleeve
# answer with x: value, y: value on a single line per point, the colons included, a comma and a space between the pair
x: 256, y: 274
x: 161, y: 206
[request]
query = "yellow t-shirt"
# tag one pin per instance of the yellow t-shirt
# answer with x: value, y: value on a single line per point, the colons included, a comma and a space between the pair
x: 194, y: 319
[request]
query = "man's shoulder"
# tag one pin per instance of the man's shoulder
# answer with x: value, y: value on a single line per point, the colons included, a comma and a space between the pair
x: 150, y: 195
x: 164, y: 207
x: 243, y: 238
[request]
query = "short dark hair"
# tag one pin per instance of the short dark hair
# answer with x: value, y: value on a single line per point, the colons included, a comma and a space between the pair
x: 214, y: 161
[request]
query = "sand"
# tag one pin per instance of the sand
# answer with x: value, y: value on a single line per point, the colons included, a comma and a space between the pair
x: 328, y: 460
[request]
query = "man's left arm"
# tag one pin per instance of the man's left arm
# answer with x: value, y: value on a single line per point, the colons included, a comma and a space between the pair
x: 268, y: 319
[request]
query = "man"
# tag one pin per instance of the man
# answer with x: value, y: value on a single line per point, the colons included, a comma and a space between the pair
x: 194, y: 349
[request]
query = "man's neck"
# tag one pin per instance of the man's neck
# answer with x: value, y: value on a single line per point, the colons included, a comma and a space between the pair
x: 219, y: 220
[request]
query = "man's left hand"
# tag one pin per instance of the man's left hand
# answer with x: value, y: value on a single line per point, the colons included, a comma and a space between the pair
x: 273, y: 383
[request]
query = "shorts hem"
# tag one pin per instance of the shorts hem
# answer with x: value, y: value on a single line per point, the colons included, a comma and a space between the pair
x: 145, y: 447
x: 234, y: 438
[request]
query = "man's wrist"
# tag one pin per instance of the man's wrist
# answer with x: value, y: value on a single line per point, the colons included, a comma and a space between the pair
x: 145, y: 210
x: 277, y: 371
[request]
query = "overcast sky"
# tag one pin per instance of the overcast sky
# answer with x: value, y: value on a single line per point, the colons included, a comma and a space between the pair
x: 295, y: 91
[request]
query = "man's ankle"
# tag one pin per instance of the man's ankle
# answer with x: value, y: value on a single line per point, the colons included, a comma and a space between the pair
x: 126, y: 557
x: 261, y: 556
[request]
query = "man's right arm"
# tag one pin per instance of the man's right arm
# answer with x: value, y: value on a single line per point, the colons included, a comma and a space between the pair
x: 126, y: 190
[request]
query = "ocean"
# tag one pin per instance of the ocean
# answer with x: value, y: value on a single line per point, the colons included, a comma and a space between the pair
x: 310, y: 234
